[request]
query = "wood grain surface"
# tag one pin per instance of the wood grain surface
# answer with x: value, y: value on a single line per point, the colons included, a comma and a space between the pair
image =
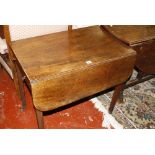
x: 65, y: 67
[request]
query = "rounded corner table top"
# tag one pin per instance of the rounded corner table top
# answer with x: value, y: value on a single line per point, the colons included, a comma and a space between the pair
x: 67, y: 66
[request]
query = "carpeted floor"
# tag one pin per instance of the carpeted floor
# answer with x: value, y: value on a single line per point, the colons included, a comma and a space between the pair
x: 138, y: 109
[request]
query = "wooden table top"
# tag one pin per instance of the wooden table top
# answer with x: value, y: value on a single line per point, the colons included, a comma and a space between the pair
x: 132, y: 34
x: 54, y: 54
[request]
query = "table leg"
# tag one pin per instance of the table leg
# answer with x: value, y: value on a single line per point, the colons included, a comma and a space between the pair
x: 116, y: 96
x: 40, y: 121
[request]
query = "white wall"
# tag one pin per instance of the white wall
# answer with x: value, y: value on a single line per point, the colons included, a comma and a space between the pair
x: 18, y: 32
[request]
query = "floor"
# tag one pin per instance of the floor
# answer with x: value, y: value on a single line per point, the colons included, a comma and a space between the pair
x: 83, y: 115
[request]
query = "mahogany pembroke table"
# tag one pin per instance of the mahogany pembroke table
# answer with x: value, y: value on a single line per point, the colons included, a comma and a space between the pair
x: 64, y: 67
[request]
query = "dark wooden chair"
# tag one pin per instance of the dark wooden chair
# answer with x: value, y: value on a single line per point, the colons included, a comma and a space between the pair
x: 64, y: 67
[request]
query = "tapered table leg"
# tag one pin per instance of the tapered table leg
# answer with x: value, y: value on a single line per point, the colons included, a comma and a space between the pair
x: 40, y: 121
x: 116, y: 96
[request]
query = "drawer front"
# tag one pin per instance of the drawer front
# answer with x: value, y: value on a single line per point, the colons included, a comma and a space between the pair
x: 146, y: 56
x: 70, y: 87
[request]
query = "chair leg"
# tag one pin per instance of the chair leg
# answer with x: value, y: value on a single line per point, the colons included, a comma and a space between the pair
x: 40, y: 121
x: 20, y: 85
x: 115, y: 97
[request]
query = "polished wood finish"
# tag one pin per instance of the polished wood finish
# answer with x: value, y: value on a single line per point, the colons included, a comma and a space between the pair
x: 140, y: 38
x: 88, y: 61
x: 64, y: 67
